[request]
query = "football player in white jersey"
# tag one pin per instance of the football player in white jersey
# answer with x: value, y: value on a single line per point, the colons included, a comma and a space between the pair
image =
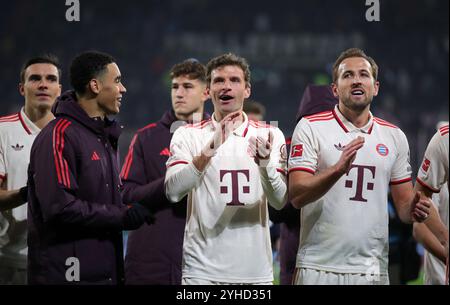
x: 341, y: 165
x: 230, y: 167
x: 432, y: 177
x: 39, y: 85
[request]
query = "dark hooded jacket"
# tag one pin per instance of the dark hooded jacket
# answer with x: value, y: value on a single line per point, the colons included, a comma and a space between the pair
x: 154, y: 252
x: 75, y: 213
x: 315, y: 99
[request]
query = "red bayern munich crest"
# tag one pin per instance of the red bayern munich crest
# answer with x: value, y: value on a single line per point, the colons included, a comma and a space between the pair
x: 382, y: 150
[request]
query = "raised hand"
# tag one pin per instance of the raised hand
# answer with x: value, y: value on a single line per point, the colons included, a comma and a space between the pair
x: 228, y: 124
x: 260, y: 148
x: 348, y: 155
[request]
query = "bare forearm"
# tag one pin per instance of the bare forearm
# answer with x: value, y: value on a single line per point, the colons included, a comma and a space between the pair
x: 437, y: 227
x: 404, y: 212
x: 10, y: 199
x: 312, y: 187
x: 424, y: 236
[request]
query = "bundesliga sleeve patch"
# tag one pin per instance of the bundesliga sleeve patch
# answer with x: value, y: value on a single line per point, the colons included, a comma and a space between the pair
x: 297, y: 151
x: 425, y: 165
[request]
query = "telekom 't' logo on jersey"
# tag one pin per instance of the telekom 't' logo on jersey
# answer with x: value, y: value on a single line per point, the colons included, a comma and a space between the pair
x: 235, y: 184
x: 360, y: 181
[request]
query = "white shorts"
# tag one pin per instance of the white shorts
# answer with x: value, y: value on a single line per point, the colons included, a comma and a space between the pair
x: 305, y: 276
x: 197, y: 281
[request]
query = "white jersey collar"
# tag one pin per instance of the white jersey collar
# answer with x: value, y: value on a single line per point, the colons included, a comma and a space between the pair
x: 348, y: 126
x: 27, y: 124
x: 241, y: 131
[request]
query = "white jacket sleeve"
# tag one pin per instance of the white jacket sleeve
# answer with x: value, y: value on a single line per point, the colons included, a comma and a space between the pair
x: 273, y: 176
x: 181, y: 174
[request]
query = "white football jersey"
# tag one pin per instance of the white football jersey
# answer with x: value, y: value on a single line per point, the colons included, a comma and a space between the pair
x: 346, y: 230
x: 434, y: 269
x: 433, y: 172
x: 227, y: 235
x: 17, y: 134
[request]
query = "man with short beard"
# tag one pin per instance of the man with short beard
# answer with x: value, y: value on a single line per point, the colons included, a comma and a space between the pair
x: 230, y: 168
x: 40, y: 86
x: 341, y: 165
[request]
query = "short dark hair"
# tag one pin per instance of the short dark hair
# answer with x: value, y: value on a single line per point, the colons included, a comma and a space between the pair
x: 354, y: 52
x: 191, y: 68
x: 47, y: 58
x: 228, y: 59
x: 86, y: 66
x: 251, y: 106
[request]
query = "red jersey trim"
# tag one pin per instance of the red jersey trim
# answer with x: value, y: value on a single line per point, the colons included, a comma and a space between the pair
x: 199, y: 125
x: 317, y: 115
x: 62, y: 169
x: 321, y: 119
x: 339, y: 121
x: 282, y: 171
x: 400, y: 181
x: 9, y: 118
x: 177, y: 162
x: 383, y: 122
x: 427, y: 186
x: 246, y: 130
x: 302, y: 169
x: 443, y: 130
x: 23, y: 123
x: 371, y: 128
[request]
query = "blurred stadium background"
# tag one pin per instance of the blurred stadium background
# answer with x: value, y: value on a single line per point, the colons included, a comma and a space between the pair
x: 288, y: 44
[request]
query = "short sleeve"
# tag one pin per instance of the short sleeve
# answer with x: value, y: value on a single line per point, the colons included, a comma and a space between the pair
x: 433, y: 171
x: 401, y: 170
x: 303, y: 155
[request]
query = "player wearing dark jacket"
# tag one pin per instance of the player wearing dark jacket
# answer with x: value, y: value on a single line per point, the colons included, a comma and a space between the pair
x: 76, y: 214
x: 154, y: 252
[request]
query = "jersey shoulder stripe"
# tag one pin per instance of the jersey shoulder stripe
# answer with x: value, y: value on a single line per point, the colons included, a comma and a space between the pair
x: 199, y: 125
x: 328, y: 118
x: 323, y: 113
x: 383, y: 122
x: 9, y: 118
x: 443, y: 130
x: 319, y: 115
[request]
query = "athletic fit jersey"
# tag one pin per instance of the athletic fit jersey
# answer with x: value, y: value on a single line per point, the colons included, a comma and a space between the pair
x: 346, y: 230
x: 227, y: 232
x: 17, y: 134
x: 433, y: 172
